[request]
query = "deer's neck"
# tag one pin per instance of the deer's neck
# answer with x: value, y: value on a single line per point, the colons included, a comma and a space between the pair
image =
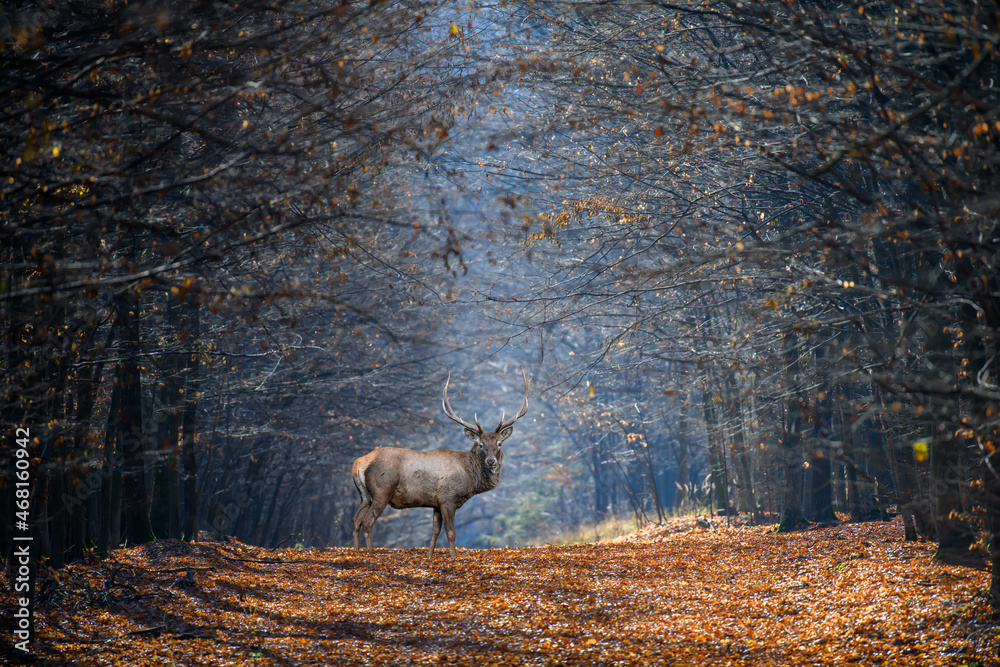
x: 484, y: 479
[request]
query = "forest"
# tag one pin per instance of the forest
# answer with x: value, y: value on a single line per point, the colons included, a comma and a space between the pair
x: 742, y: 261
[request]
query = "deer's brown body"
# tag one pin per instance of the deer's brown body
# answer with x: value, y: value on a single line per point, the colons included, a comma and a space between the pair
x: 443, y: 479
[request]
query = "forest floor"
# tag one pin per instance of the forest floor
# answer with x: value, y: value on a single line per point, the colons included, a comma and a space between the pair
x: 676, y: 594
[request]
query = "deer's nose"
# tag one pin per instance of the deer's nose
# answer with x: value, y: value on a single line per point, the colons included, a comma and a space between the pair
x: 491, y: 462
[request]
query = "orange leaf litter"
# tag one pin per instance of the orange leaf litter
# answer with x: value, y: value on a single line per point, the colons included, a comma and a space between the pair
x: 852, y: 594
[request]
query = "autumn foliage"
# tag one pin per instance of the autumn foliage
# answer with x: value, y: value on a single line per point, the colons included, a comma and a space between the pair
x: 674, y: 594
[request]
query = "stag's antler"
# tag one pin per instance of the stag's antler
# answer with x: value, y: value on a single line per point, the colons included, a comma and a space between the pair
x: 505, y: 423
x: 450, y: 414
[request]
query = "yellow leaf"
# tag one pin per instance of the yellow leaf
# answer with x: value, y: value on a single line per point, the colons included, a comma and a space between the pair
x: 920, y: 451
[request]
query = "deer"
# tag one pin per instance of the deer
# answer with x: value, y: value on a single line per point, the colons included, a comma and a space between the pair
x: 442, y: 479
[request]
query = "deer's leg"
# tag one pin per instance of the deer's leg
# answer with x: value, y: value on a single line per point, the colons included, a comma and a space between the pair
x: 366, y: 503
x: 448, y: 514
x: 374, y: 512
x: 358, y: 518
x: 437, y: 530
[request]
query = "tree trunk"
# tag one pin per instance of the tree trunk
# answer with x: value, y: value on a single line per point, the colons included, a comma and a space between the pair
x: 109, y: 463
x: 681, y: 485
x: 737, y: 424
x: 991, y: 486
x: 820, y: 488
x: 190, y: 334
x: 137, y: 527
x: 862, y: 444
x: 954, y: 534
x: 85, y: 519
x: 598, y: 469
x: 716, y: 455
x: 115, y: 503
x: 791, y: 505
x: 165, y: 506
x: 820, y: 464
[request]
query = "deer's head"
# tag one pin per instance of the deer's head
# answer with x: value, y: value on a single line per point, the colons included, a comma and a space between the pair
x: 487, y: 443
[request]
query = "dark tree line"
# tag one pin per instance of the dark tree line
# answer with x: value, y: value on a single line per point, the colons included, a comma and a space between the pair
x: 210, y: 247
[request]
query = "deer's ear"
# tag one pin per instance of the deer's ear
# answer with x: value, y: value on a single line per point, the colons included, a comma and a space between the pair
x: 504, y: 434
x: 471, y: 435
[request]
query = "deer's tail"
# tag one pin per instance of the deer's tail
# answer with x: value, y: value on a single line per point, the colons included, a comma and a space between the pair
x: 359, y: 481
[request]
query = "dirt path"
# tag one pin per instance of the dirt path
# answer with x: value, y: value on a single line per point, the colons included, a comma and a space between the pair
x: 846, y: 595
